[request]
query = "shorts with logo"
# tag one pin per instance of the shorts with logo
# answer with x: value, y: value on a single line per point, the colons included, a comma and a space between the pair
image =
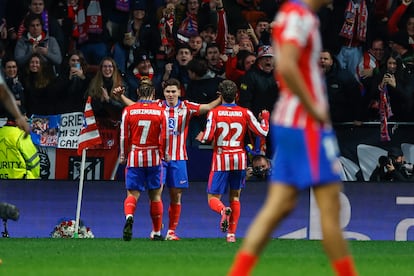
x: 175, y: 174
x: 143, y: 178
x: 304, y: 157
x: 219, y: 181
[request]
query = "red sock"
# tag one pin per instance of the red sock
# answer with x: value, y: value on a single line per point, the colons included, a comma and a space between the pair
x: 216, y: 205
x: 234, y: 217
x: 174, y: 215
x: 156, y: 215
x: 344, y: 266
x: 130, y: 204
x: 243, y: 264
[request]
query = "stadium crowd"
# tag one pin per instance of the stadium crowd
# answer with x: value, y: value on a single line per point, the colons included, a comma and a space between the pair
x: 54, y: 54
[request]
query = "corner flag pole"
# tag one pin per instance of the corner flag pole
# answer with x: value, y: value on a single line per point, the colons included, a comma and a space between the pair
x: 80, y: 191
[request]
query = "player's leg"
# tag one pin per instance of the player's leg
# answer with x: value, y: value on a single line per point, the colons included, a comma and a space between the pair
x: 176, y: 181
x: 216, y: 187
x: 281, y: 200
x: 130, y: 204
x: 336, y: 248
x: 237, y: 180
x: 156, y: 207
x: 174, y: 212
x: 234, y: 199
x: 134, y: 180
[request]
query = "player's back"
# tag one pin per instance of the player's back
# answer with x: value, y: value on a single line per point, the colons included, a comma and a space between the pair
x: 227, y: 125
x: 144, y: 121
x: 297, y: 25
x: 141, y: 133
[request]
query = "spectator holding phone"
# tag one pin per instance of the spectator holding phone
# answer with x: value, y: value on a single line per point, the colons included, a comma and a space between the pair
x: 36, y: 41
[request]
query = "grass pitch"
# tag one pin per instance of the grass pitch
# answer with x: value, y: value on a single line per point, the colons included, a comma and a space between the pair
x: 198, y: 257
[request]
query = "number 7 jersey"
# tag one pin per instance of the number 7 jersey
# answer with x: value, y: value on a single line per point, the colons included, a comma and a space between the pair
x: 227, y: 124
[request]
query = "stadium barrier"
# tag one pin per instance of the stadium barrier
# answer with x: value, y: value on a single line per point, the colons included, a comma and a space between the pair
x: 370, y: 211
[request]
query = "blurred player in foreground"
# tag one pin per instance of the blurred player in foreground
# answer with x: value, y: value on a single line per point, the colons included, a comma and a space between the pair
x: 227, y: 125
x: 305, y: 146
x: 142, y: 144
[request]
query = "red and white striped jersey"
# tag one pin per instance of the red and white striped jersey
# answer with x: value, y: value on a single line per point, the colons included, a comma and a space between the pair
x: 295, y: 23
x: 227, y: 124
x: 178, y: 118
x: 141, y: 134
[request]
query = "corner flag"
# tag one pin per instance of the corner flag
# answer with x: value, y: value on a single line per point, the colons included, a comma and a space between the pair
x: 89, y: 135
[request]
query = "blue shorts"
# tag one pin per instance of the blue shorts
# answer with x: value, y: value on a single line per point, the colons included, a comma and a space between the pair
x: 219, y: 181
x: 304, y: 158
x: 142, y: 179
x: 175, y: 174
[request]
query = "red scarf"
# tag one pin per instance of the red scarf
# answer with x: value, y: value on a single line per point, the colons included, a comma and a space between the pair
x: 36, y: 40
x: 73, y: 15
x: 138, y: 75
x: 385, y: 113
x: 167, y: 37
x: 92, y: 22
x: 355, y: 25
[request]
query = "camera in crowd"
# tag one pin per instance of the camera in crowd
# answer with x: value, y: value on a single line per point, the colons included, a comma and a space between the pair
x: 260, y: 172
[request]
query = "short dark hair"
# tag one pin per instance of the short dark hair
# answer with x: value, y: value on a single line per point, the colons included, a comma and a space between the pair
x: 228, y: 90
x: 198, y: 66
x: 183, y: 46
x: 32, y: 17
x: 171, y: 82
x: 212, y: 45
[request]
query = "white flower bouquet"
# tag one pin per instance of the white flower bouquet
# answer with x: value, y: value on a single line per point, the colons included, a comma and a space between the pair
x: 66, y: 229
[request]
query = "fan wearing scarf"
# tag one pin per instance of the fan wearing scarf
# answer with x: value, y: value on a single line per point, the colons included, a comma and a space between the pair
x: 36, y: 41
x: 354, y: 33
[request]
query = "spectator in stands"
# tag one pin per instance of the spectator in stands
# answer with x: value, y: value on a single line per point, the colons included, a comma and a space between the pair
x: 246, y: 44
x: 201, y: 89
x: 179, y: 11
x: 399, y: 43
x: 402, y: 19
x: 140, y: 35
x: 392, y: 88
x: 189, y: 24
x: 238, y: 63
x: 370, y: 63
x: 392, y: 168
x: 354, y: 33
x: 50, y: 23
x: 141, y: 70
x: 214, y: 62
x: 258, y: 89
x: 343, y: 91
x: 178, y: 69
x: 93, y: 36
x: 196, y: 43
x: 101, y: 89
x: 167, y: 30
x: 261, y: 31
x: 36, y: 40
x: 213, y: 25
x: 15, y: 86
x: 74, y: 81
x: 41, y: 89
